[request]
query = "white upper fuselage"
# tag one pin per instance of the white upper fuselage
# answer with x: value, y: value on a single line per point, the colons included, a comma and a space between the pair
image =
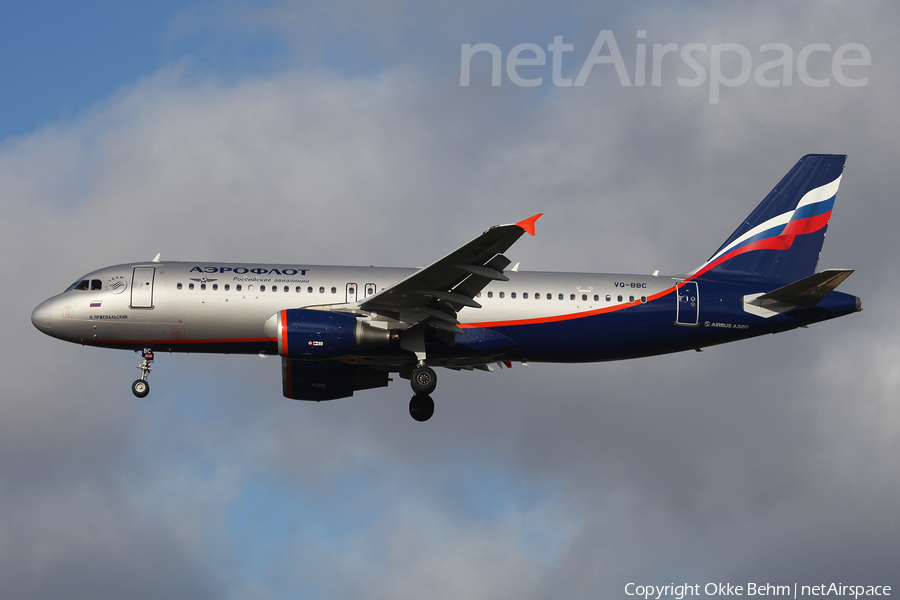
x: 181, y: 302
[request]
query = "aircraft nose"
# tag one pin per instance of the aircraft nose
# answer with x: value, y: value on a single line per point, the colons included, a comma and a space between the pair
x: 40, y: 317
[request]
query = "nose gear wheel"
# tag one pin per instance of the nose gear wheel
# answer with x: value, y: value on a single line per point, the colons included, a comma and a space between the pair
x: 141, y: 387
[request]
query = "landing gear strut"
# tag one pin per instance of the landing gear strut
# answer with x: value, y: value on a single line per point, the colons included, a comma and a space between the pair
x: 423, y: 378
x: 141, y: 387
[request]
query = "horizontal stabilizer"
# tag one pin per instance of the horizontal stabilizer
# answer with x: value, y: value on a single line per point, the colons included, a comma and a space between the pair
x: 811, y: 290
x: 806, y: 292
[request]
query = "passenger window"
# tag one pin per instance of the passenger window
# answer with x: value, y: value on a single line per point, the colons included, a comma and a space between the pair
x: 525, y: 295
x: 584, y: 296
x: 262, y: 288
x: 286, y: 289
x: 334, y: 290
x: 502, y: 294
x: 537, y: 296
x: 96, y: 284
x: 237, y: 287
x: 619, y: 298
x: 298, y: 289
x: 215, y: 287
x: 643, y: 299
x: 227, y: 287
x: 560, y: 296
x: 190, y: 286
x: 549, y: 296
x: 322, y: 289
x: 309, y: 290
x: 572, y: 297
x: 631, y: 298
x: 512, y: 295
x: 178, y: 286
x: 608, y: 298
x: 490, y: 294
x: 202, y: 286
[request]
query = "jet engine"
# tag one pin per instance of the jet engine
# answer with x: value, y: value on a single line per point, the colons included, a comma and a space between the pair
x: 317, y: 334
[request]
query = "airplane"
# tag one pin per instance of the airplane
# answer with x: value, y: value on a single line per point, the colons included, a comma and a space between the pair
x: 339, y: 330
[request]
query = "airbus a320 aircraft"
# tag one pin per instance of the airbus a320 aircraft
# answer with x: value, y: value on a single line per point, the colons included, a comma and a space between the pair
x: 344, y: 329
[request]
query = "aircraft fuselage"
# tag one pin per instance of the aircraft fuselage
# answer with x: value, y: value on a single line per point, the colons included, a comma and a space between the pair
x: 553, y: 317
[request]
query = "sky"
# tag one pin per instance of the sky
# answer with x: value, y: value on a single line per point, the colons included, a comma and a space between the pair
x: 345, y: 132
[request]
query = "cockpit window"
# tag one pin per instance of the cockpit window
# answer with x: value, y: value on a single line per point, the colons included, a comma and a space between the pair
x: 84, y: 284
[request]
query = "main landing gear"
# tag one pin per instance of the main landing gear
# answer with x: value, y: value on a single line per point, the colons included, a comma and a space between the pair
x: 423, y: 379
x: 421, y: 407
x: 141, y: 387
x: 423, y: 382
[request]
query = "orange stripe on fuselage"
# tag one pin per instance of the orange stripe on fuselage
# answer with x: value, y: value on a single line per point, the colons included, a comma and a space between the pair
x: 569, y: 316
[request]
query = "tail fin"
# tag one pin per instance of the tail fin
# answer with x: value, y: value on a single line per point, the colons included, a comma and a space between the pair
x: 781, y: 239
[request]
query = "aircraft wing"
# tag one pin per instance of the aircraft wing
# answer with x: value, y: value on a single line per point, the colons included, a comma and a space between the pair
x: 435, y: 294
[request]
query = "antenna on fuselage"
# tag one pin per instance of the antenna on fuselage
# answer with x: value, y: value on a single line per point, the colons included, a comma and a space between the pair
x: 156, y: 260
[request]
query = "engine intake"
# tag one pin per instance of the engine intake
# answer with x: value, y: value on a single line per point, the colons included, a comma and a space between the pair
x: 316, y: 334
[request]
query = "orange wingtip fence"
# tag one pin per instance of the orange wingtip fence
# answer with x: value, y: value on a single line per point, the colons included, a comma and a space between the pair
x: 528, y: 224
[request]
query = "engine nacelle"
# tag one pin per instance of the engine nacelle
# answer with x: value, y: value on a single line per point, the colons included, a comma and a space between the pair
x: 328, y: 379
x: 318, y: 334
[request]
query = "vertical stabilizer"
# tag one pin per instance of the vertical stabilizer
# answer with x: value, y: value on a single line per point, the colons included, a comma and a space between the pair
x: 782, y: 239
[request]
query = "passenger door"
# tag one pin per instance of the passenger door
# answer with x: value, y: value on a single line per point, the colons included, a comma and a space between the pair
x: 687, y: 308
x: 142, y: 287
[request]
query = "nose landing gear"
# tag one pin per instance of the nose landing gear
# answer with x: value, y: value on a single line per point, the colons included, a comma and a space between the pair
x: 141, y: 387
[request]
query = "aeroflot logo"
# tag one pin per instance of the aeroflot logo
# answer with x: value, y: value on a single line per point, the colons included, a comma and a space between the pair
x: 254, y: 270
